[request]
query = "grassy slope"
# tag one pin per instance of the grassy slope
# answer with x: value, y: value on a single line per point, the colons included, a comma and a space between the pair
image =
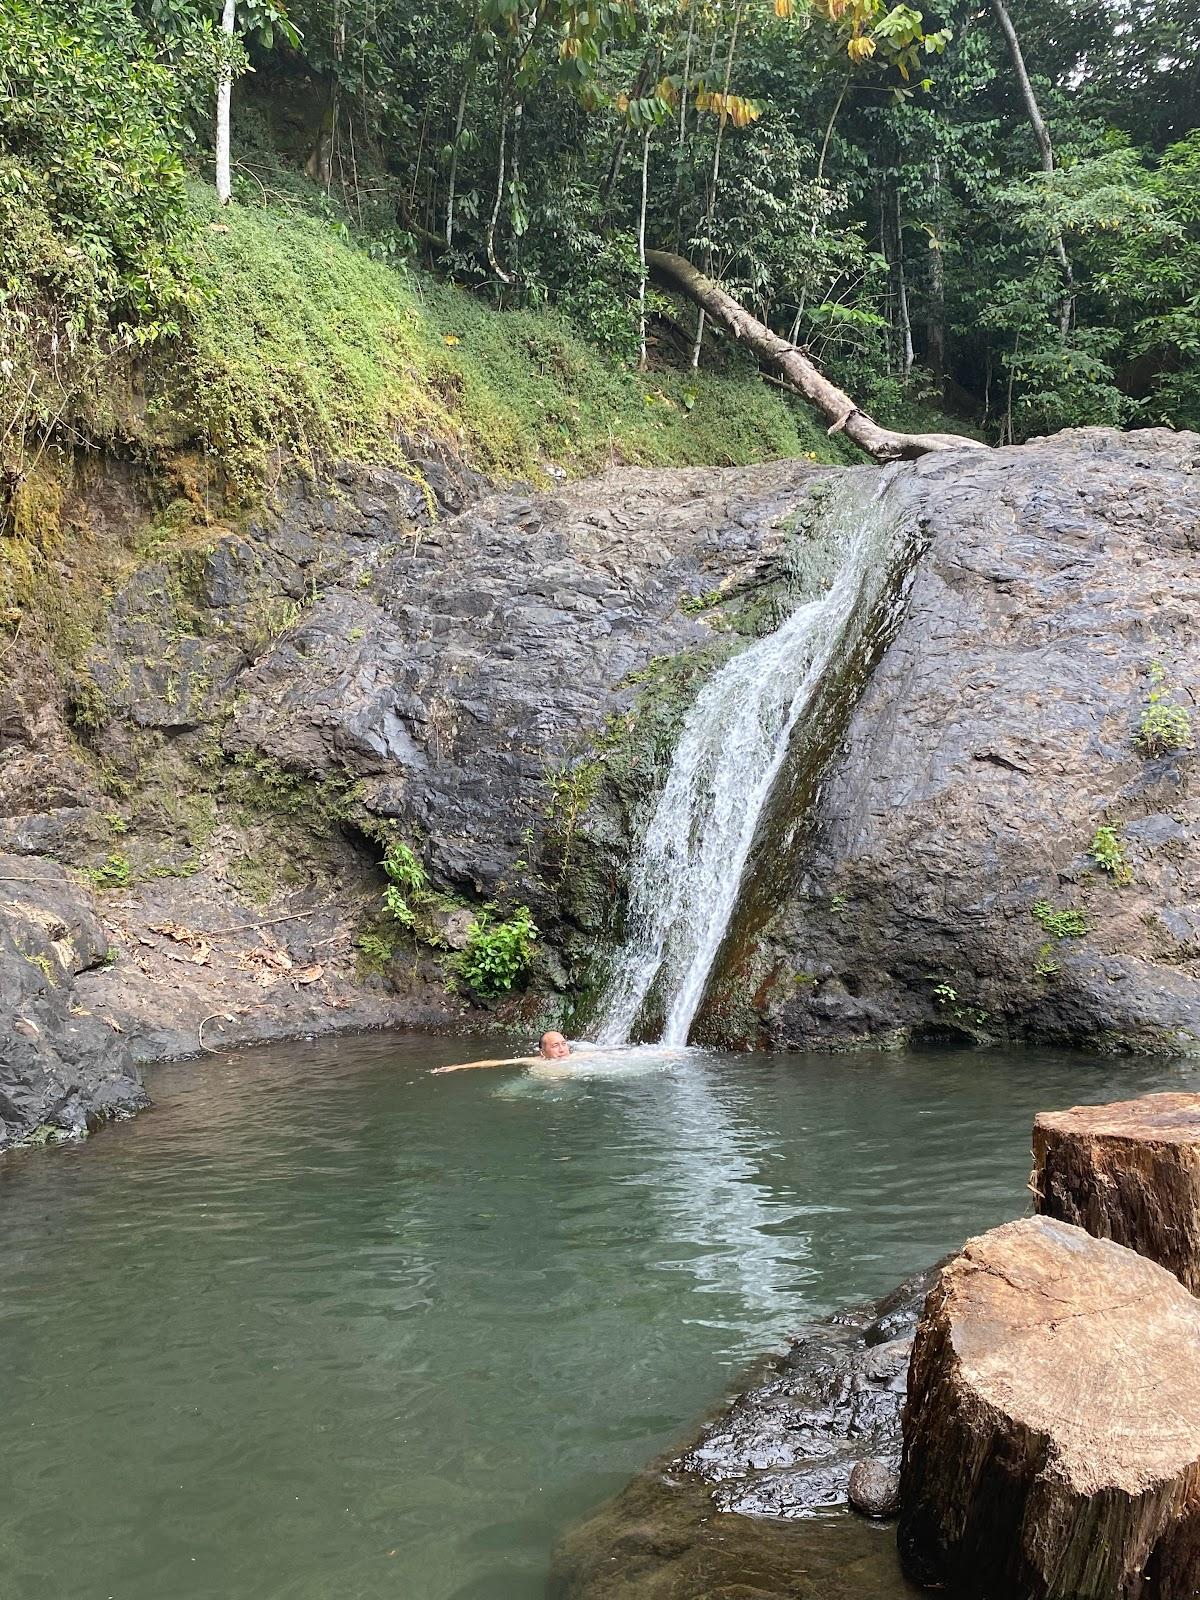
x: 308, y: 344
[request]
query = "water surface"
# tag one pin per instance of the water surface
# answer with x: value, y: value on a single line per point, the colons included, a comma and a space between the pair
x: 323, y: 1327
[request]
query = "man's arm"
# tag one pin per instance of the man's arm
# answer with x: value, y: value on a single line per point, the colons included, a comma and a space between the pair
x: 494, y: 1061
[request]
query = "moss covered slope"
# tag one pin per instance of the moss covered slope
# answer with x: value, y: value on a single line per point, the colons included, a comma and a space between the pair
x: 304, y: 343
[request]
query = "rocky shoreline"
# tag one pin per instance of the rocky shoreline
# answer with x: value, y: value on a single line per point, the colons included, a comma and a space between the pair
x: 757, y: 1503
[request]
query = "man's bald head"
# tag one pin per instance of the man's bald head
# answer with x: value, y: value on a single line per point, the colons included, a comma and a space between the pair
x: 554, y: 1047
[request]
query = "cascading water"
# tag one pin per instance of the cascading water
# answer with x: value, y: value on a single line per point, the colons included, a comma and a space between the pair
x: 685, y: 881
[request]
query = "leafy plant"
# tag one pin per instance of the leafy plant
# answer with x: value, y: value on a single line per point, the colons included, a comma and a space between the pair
x: 498, y: 954
x: 1065, y: 923
x: 1107, y: 851
x: 114, y: 873
x: 375, y: 950
x: 1164, y: 726
x: 1044, y: 965
x: 409, y: 886
x: 945, y: 997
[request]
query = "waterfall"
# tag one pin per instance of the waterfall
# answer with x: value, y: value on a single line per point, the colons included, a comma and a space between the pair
x: 684, y: 883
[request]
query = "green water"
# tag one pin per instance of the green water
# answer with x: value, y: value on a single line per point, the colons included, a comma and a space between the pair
x: 321, y: 1327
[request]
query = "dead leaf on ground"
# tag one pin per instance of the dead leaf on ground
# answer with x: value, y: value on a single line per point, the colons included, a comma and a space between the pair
x: 308, y: 975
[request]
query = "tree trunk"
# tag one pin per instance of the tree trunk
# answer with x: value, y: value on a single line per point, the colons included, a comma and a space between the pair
x: 674, y: 273
x: 903, y: 319
x: 1052, y: 1427
x: 224, y: 94
x: 935, y: 311
x: 642, y: 249
x: 489, y: 238
x: 460, y: 118
x: 319, y: 165
x: 1042, y: 134
x: 1128, y: 1171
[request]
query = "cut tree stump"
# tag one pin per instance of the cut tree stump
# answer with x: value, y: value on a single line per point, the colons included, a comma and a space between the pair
x: 1052, y: 1427
x: 1129, y: 1171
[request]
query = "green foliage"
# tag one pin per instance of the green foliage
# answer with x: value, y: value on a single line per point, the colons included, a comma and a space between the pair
x: 1107, y: 851
x: 1064, y: 923
x: 114, y: 873
x: 498, y: 953
x: 1164, y: 726
x: 1045, y: 966
x: 306, y: 343
x: 91, y: 204
x: 375, y: 951
x: 409, y: 886
x: 945, y: 997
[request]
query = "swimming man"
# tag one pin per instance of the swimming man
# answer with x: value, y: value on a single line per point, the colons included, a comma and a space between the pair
x: 553, y: 1047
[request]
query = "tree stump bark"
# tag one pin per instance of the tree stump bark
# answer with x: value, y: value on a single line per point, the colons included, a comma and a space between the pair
x: 1129, y: 1172
x: 1052, y: 1427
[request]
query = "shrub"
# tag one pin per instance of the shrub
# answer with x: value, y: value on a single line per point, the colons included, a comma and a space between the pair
x: 408, y: 883
x: 115, y: 873
x: 497, y: 953
x: 91, y: 200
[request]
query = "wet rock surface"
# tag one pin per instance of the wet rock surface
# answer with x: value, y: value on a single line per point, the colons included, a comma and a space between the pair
x: 993, y: 739
x: 760, y: 1503
x: 787, y: 1447
x: 62, y: 1068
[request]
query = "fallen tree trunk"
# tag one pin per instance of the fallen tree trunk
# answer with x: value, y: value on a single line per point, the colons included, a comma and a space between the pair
x: 1129, y: 1171
x: 840, y: 412
x: 1052, y: 1427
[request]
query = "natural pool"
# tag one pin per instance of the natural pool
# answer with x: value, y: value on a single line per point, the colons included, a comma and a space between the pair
x: 322, y: 1327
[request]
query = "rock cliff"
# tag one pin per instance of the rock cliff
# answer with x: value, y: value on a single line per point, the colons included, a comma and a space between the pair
x: 947, y: 881
x: 499, y: 677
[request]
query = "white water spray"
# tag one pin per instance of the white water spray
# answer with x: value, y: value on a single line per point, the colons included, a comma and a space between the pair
x: 685, y: 882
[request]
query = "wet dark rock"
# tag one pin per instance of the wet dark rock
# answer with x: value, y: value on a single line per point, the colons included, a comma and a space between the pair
x: 786, y: 1447
x: 995, y: 735
x: 874, y: 1487
x: 62, y: 1068
x: 759, y: 1498
x: 504, y: 683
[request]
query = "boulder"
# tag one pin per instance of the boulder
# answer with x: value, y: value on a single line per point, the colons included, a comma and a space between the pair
x: 62, y: 1069
x: 1052, y: 1426
x: 1128, y: 1171
x: 874, y: 1487
x: 993, y: 739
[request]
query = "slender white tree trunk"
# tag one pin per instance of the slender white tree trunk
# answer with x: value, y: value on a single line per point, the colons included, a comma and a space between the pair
x: 1046, y: 149
x: 224, y: 92
x: 642, y: 247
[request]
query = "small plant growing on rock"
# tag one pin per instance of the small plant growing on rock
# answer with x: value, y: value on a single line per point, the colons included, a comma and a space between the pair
x: 1107, y: 851
x: 409, y: 882
x: 1164, y: 726
x: 374, y: 951
x: 1067, y: 923
x: 945, y: 997
x: 1045, y: 965
x: 497, y: 953
x: 115, y: 873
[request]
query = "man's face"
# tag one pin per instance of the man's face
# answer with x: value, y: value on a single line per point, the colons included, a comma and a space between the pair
x: 555, y: 1047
